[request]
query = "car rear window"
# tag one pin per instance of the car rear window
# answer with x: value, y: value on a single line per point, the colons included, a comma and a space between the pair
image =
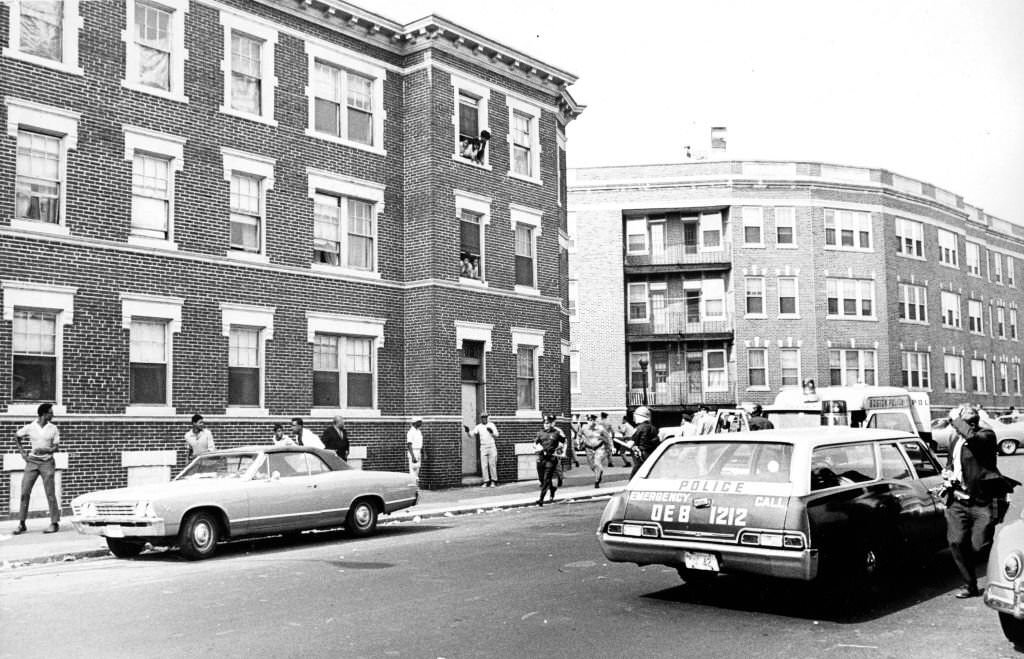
x: 740, y: 461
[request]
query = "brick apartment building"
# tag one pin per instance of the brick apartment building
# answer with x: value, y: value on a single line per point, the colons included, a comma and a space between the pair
x: 733, y: 280
x: 266, y: 209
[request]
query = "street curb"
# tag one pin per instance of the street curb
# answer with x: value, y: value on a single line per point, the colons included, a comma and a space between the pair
x: 402, y: 516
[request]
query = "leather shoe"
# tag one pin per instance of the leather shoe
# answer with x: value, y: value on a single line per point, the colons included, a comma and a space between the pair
x: 18, y: 531
x: 52, y: 528
x: 967, y: 592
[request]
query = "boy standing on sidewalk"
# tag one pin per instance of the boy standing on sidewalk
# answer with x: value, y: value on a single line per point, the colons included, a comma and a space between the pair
x: 44, y: 439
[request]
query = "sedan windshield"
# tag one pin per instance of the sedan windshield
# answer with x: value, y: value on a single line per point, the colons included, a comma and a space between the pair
x: 234, y: 465
x: 738, y: 461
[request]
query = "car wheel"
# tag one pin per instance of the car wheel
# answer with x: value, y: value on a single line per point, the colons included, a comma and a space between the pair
x: 1007, y: 446
x: 871, y: 569
x: 124, y: 548
x: 362, y: 518
x: 1013, y: 629
x: 199, y: 535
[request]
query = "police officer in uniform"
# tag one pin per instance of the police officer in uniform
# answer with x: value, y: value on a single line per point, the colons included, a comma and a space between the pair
x: 645, y: 437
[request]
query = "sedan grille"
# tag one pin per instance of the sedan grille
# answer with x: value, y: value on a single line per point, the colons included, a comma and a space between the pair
x: 108, y: 509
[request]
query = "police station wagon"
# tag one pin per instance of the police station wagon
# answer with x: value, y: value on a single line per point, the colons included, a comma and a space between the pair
x: 796, y: 503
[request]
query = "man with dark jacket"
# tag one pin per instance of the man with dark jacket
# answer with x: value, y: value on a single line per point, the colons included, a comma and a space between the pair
x: 759, y: 420
x: 975, y: 487
x: 335, y: 438
x: 547, y: 444
x: 645, y: 437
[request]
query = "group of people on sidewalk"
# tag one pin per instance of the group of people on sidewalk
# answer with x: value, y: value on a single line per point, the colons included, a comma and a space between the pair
x: 199, y: 439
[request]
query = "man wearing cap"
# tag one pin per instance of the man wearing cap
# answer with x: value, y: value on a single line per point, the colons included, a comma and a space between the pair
x: 486, y: 432
x: 546, y: 445
x: 414, y: 446
x: 645, y: 437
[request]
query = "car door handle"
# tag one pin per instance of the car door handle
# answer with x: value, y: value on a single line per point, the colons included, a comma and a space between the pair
x: 312, y: 486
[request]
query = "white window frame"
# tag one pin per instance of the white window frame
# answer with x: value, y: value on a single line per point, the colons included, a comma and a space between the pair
x: 840, y: 295
x: 746, y: 297
x: 799, y: 380
x: 523, y: 336
x: 1004, y: 380
x: 948, y: 252
x: 999, y: 327
x: 785, y: 216
x: 973, y: 265
x: 346, y: 61
x: 956, y: 308
x: 481, y: 206
x: 912, y: 296
x: 911, y: 362
x: 345, y: 326
x: 861, y: 365
x: 767, y: 382
x: 724, y: 369
x: 631, y: 300
x: 711, y: 290
x: 259, y: 167
x: 979, y: 327
x: 958, y: 364
x: 753, y: 216
x: 711, y: 222
x: 530, y: 217
x: 348, y: 187
x: 71, y: 24
x: 251, y: 317
x: 1016, y: 379
x: 63, y: 124
x: 163, y: 145
x: 632, y: 225
x: 1012, y: 323
x: 913, y: 230
x: 534, y: 113
x: 1011, y: 279
x: 145, y: 306
x: 997, y: 267
x: 482, y: 94
x: 980, y: 374
x: 177, y: 9
x: 574, y: 299
x: 60, y: 299
x: 855, y: 221
x: 268, y: 81
x: 796, y: 296
x: 574, y: 369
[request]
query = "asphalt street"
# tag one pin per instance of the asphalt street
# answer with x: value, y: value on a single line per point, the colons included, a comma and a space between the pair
x: 527, y: 582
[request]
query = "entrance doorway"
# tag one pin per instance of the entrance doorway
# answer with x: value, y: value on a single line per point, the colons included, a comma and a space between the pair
x: 471, y: 365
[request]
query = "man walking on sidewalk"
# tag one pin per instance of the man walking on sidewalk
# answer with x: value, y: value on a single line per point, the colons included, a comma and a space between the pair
x: 486, y: 432
x: 546, y: 445
x: 44, y: 440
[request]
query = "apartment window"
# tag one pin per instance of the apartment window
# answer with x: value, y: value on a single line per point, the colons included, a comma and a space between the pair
x: 473, y: 213
x: 472, y: 132
x: 954, y: 369
x: 712, y: 296
x: 948, y: 248
x: 849, y: 367
x: 789, y: 363
x: 1004, y: 378
x: 524, y: 255
x: 344, y: 221
x: 913, y: 303
x: 997, y: 267
x: 974, y: 259
x: 638, y: 376
x: 753, y: 226
x: 246, y: 212
x: 1015, y: 382
x: 717, y: 378
x: 151, y: 196
x: 788, y: 297
x: 45, y: 33
x: 155, y: 47
x: 249, y: 80
x: 785, y: 227
x: 524, y: 140
x: 343, y: 371
x: 244, y: 366
x: 754, y: 296
x: 974, y: 313
x: 638, y: 302
x: 711, y: 231
x: 574, y: 371
x: 916, y: 371
x: 1001, y: 322
x: 38, y: 179
x: 978, y: 376
x: 1010, y: 275
x: 345, y: 98
x: 757, y: 375
x: 951, y: 310
x: 34, y: 355
x: 526, y: 379
x: 850, y: 298
x: 636, y: 236
x: 849, y: 230
x: 1013, y: 324
x: 149, y: 352
x: 574, y: 297
x: 909, y: 238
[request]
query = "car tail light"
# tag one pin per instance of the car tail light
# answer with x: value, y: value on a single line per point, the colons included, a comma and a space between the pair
x: 633, y: 530
x: 1012, y: 566
x: 772, y: 540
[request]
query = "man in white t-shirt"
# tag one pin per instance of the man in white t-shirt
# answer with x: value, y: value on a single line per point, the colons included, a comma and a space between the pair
x: 487, y: 432
x: 303, y: 435
x: 44, y: 440
x: 414, y: 446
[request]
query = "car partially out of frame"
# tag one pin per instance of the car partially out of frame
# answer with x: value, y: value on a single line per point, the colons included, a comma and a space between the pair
x: 254, y: 490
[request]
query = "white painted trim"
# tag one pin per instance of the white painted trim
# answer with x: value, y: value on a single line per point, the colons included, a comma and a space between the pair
x: 345, y: 59
x: 143, y: 305
x: 247, y: 315
x: 164, y: 144
x: 248, y: 411
x: 148, y: 458
x: 179, y: 53
x: 151, y: 410
x: 232, y: 22
x: 528, y: 337
x: 517, y: 104
x: 480, y: 205
x: 71, y: 25
x: 330, y: 323
x: 483, y: 95
x: 347, y: 186
x: 473, y: 331
x: 39, y: 296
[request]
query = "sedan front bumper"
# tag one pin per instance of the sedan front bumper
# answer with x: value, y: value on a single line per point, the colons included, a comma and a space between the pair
x: 1005, y: 599
x: 119, y: 527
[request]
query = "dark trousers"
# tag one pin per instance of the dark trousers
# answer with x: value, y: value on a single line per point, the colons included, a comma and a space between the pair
x: 639, y: 457
x: 547, y: 474
x: 967, y: 530
x: 33, y: 470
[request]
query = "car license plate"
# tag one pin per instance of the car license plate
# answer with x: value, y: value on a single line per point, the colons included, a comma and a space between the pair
x: 1000, y: 594
x: 697, y: 560
x: 113, y: 531
x: 634, y: 530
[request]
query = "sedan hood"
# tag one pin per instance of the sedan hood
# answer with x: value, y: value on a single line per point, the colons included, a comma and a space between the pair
x: 158, y: 490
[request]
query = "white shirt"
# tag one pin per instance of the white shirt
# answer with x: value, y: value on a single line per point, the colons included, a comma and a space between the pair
x: 414, y: 438
x: 309, y: 438
x: 486, y: 432
x: 45, y: 437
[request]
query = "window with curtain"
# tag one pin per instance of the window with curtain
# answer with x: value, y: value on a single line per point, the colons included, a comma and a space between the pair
x: 785, y: 226
x: 849, y: 367
x: 916, y: 371
x: 524, y: 255
x: 717, y: 380
x: 153, y: 40
x: 913, y: 303
x: 522, y: 143
x: 42, y: 29
x: 787, y: 296
x: 151, y: 195
x: 148, y: 362
x: 326, y: 372
x: 953, y: 367
x: 789, y: 361
x: 359, y: 371
x: 328, y: 95
x: 244, y: 366
x: 37, y: 179
x: 246, y: 213
x: 978, y: 376
x: 360, y: 234
x: 756, y: 372
x: 246, y: 73
x: 754, y: 295
x: 327, y: 229
x: 34, y: 355
x: 360, y: 108
x: 948, y: 248
x: 526, y: 384
x: 343, y: 370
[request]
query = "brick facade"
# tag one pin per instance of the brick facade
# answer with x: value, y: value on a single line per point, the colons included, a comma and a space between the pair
x: 408, y: 302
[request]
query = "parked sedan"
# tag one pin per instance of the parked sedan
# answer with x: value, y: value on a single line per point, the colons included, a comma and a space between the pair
x: 1009, y: 433
x: 1005, y: 591
x: 256, y: 490
x: 794, y: 503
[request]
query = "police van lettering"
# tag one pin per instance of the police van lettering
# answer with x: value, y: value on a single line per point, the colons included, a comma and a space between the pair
x: 770, y: 502
x: 670, y: 513
x: 662, y: 497
x: 728, y: 516
x: 734, y: 487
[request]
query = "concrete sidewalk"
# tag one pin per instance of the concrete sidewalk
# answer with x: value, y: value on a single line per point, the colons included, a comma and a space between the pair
x: 68, y: 545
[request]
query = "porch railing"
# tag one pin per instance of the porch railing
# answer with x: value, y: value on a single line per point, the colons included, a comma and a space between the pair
x: 682, y: 255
